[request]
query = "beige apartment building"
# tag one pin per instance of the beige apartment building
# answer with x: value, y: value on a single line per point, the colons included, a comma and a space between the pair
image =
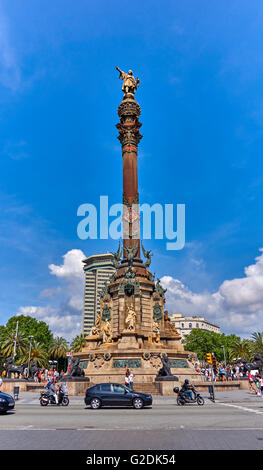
x: 98, y: 269
x: 185, y: 325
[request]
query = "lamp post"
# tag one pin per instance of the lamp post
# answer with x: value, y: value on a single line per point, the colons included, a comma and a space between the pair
x: 224, y: 355
x: 29, y: 353
x: 14, y: 353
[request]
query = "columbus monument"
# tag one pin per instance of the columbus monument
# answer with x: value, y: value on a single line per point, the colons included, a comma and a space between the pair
x: 132, y: 329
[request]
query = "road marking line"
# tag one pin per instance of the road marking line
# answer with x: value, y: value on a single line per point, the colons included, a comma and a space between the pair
x: 243, y: 408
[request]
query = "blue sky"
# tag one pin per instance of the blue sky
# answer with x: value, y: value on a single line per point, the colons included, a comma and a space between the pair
x: 201, y: 94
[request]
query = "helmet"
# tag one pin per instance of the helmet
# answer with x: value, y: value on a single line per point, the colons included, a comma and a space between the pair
x: 186, y: 381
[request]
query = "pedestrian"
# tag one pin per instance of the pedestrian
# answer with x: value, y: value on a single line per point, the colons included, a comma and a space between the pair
x: 126, y: 380
x: 250, y: 382
x: 131, y: 381
x: 257, y: 381
x: 61, y: 375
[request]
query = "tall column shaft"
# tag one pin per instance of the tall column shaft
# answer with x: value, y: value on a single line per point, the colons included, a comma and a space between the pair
x: 129, y: 136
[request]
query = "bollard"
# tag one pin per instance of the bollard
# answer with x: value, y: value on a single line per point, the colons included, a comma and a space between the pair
x: 16, y: 393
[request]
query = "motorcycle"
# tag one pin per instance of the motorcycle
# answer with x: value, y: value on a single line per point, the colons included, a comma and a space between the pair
x: 46, y: 399
x: 182, y: 398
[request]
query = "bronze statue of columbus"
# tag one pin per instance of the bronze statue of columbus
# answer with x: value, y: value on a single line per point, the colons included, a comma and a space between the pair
x: 129, y: 82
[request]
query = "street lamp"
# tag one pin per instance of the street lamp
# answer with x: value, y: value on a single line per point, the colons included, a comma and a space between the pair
x: 14, y: 353
x: 29, y: 353
x: 224, y: 355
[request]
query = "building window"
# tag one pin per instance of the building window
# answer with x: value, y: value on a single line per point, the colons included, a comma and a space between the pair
x: 190, y: 325
x: 197, y: 325
x: 182, y: 325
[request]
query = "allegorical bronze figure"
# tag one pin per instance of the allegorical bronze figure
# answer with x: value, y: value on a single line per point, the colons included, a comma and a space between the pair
x: 129, y: 82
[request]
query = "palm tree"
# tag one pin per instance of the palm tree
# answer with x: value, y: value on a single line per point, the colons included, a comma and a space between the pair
x: 242, y: 348
x: 78, y: 343
x: 38, y: 353
x: 257, y: 338
x: 7, y: 347
x: 58, y: 348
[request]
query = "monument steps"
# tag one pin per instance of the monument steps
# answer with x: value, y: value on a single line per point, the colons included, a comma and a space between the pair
x: 147, y: 387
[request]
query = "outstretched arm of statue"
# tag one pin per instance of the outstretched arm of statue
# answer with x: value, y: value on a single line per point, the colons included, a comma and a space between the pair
x: 122, y: 74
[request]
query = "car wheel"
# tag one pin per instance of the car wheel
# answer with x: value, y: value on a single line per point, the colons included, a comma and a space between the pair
x: 95, y: 403
x: 200, y: 401
x: 137, y: 403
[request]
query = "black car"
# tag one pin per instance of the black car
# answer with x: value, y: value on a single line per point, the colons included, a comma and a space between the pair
x: 7, y: 402
x: 113, y: 394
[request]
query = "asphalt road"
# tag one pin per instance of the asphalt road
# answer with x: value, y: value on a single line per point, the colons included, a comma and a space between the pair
x: 234, y: 422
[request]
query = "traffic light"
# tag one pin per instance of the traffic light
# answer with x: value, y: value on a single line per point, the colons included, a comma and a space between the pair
x: 208, y: 358
x: 214, y: 362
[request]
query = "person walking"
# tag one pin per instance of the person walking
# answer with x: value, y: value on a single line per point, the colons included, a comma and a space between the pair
x: 261, y: 384
x: 250, y: 382
x: 131, y: 381
x: 126, y: 380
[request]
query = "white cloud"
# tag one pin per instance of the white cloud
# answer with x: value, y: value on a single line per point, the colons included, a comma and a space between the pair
x: 67, y: 326
x: 63, y: 319
x: 72, y: 268
x: 236, y: 307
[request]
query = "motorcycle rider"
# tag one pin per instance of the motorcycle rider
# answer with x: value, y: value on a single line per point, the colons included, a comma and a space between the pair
x: 187, y: 389
x: 62, y: 391
x: 52, y: 390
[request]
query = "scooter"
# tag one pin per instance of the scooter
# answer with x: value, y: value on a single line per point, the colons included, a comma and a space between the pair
x: 182, y: 398
x: 46, y: 399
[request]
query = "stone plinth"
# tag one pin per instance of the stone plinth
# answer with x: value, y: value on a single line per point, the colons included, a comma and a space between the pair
x: 166, y: 386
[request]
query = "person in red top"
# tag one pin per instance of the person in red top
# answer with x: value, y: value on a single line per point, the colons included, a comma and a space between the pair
x: 251, y: 382
x: 127, y: 381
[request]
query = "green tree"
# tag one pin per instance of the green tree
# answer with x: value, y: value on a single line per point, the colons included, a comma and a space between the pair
x: 18, y: 343
x: 29, y: 326
x: 242, y: 348
x: 202, y: 342
x: 257, y: 339
x: 78, y: 343
x: 57, y: 350
x: 38, y: 353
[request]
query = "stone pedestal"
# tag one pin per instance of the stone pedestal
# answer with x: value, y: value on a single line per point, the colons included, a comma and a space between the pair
x: 167, y: 386
x: 128, y: 341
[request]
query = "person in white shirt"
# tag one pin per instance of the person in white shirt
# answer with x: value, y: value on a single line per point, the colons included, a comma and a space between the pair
x: 131, y: 381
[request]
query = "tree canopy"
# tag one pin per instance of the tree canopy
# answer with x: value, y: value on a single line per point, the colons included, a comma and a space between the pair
x: 27, y: 326
x: 202, y: 342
